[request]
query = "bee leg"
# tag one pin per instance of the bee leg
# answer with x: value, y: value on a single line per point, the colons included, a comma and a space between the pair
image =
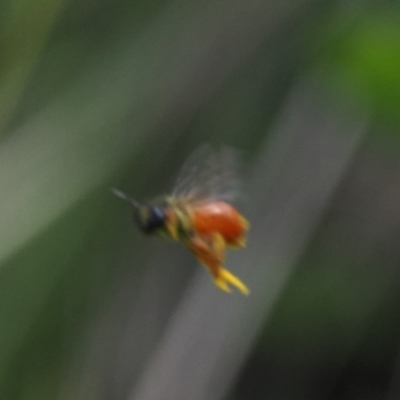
x: 241, y: 241
x: 217, y: 249
x: 172, y: 226
x: 223, y: 277
x: 245, y: 224
x: 238, y: 244
x: 228, y: 277
x: 211, y: 253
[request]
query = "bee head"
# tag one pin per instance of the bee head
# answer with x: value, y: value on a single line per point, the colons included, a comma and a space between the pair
x: 150, y: 219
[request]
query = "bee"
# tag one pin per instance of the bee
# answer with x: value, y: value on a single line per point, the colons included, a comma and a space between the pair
x: 199, y: 213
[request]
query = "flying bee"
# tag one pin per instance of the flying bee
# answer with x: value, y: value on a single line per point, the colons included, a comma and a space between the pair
x: 199, y: 213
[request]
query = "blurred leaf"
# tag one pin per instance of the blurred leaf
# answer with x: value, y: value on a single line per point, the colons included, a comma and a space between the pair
x: 24, y: 31
x: 363, y: 59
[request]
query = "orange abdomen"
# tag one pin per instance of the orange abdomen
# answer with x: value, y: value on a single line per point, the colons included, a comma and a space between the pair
x: 221, y: 217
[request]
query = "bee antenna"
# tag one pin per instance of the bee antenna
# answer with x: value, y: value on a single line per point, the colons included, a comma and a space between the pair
x: 124, y: 197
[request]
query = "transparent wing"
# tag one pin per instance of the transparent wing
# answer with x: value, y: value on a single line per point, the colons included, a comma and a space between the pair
x: 209, y: 174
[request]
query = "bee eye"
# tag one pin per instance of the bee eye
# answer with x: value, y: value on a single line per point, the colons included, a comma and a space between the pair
x: 150, y: 219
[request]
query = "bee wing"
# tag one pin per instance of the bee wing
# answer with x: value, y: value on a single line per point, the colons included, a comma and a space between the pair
x: 208, y: 174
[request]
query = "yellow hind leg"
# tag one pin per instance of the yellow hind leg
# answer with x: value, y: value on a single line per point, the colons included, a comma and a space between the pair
x: 211, y: 253
x: 222, y: 277
x: 225, y: 277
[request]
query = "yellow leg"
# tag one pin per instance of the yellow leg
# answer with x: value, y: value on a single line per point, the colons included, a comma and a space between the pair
x: 219, y: 247
x: 172, y: 226
x: 211, y: 253
x: 225, y: 277
x: 222, y: 284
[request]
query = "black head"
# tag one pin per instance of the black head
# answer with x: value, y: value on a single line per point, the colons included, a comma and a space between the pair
x: 150, y: 219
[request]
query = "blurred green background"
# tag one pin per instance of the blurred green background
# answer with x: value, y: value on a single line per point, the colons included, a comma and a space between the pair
x: 95, y: 94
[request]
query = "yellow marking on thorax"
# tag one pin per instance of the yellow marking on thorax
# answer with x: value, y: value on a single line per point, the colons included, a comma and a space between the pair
x: 179, y: 223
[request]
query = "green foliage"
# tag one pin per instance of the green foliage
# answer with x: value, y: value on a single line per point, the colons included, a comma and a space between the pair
x: 364, y: 58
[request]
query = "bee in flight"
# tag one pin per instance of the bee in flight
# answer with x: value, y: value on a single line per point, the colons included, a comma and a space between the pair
x: 199, y: 213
